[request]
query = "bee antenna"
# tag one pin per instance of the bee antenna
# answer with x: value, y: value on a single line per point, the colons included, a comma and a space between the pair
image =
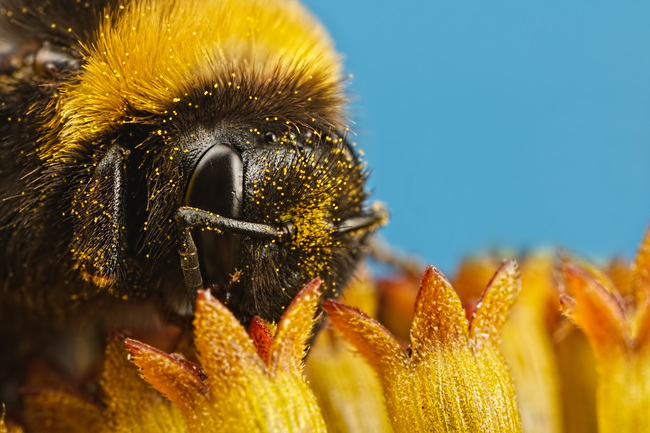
x: 191, y: 217
x: 375, y: 218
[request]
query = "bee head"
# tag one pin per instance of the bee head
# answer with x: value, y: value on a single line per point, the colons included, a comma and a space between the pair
x: 286, y: 207
x: 218, y: 126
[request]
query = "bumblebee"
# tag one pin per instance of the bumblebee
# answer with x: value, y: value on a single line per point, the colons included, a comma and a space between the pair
x: 152, y: 147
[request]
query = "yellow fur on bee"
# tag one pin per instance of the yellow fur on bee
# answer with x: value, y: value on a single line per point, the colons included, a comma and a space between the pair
x: 149, y: 54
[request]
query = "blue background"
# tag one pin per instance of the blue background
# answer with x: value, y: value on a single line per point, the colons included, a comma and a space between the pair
x: 502, y: 124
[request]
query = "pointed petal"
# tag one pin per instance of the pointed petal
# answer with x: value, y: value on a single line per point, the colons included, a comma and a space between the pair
x: 132, y: 406
x: 261, y: 336
x: 120, y: 379
x: 375, y: 343
x: 643, y: 334
x: 225, y: 350
x: 439, y: 316
x: 596, y: 273
x: 595, y: 310
x: 641, y: 271
x: 289, y: 345
x: 397, y: 300
x: 361, y: 292
x: 538, y: 285
x: 473, y: 276
x: 494, y: 306
x: 527, y: 346
x: 621, y: 274
x: 177, y: 379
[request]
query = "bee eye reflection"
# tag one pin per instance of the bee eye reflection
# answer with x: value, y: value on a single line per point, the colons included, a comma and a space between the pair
x: 50, y: 61
x: 217, y: 186
x: 270, y: 138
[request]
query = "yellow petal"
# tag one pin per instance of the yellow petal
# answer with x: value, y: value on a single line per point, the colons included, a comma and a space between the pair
x: 132, y: 406
x: 617, y: 331
x: 578, y: 381
x: 346, y: 387
x: 643, y: 334
x: 624, y: 393
x: 494, y: 306
x: 176, y: 378
x: 528, y: 349
x: 225, y: 349
x: 375, y: 342
x: 289, y: 345
x: 641, y: 271
x: 439, y: 316
x: 595, y: 309
x: 525, y: 341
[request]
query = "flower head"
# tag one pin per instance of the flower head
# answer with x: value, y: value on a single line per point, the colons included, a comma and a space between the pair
x: 245, y: 384
x: 526, y: 342
x: 616, y: 320
x: 453, y: 377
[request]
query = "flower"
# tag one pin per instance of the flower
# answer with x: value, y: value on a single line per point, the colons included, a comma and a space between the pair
x: 248, y: 384
x: 616, y: 320
x: 243, y: 384
x: 454, y: 377
x: 527, y: 345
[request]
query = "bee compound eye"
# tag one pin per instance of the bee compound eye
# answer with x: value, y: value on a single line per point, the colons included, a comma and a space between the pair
x: 217, y: 185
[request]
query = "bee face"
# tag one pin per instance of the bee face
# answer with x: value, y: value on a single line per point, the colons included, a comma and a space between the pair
x: 157, y: 147
x: 306, y: 184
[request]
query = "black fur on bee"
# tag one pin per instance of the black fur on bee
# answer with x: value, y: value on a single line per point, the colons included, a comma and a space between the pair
x: 146, y: 151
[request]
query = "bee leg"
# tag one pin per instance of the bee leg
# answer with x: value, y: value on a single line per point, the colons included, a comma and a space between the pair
x: 99, y: 243
x: 189, y: 258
